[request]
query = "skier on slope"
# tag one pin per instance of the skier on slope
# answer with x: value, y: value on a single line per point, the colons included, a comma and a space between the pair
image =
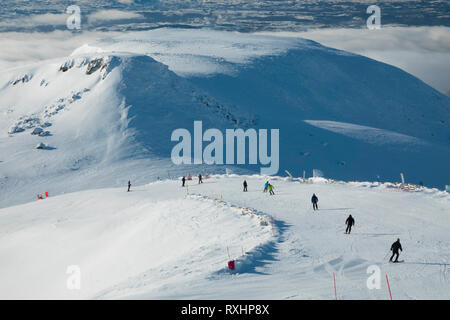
x: 266, y: 186
x: 129, y: 185
x: 394, y: 248
x: 314, y: 201
x: 245, y: 186
x: 183, y: 180
x: 349, y: 222
x: 200, y: 178
x: 270, y: 187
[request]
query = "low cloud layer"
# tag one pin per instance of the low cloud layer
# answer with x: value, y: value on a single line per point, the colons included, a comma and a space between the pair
x: 421, y: 51
x: 25, y: 48
x: 112, y: 15
x: 60, y: 19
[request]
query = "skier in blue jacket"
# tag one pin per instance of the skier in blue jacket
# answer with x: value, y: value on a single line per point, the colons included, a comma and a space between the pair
x: 266, y: 186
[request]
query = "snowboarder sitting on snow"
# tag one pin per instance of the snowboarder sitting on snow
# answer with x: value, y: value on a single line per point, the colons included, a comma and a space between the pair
x: 314, y: 201
x: 245, y: 186
x: 200, y: 178
x: 266, y: 186
x: 270, y: 187
x: 394, y: 248
x: 129, y: 185
x: 349, y: 222
x: 183, y: 180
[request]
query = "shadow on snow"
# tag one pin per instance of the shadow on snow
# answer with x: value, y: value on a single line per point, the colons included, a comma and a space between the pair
x: 260, y: 256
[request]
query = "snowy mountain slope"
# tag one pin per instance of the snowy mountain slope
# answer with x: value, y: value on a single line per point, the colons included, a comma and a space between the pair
x: 106, y: 113
x: 302, y: 74
x: 321, y: 84
x: 113, y: 123
x: 122, y: 245
x: 111, y: 238
x: 364, y: 133
x: 194, y: 51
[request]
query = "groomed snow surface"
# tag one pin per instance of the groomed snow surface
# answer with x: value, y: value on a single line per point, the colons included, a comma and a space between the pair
x: 157, y: 242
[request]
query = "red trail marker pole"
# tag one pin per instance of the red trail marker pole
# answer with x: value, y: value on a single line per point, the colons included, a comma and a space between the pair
x: 231, y: 264
x: 334, y: 280
x: 389, y: 287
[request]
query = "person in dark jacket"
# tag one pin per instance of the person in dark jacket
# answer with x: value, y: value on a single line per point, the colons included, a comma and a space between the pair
x: 183, y: 180
x: 394, y: 248
x: 349, y: 222
x: 314, y: 201
x: 129, y: 185
x: 245, y: 186
x: 200, y: 178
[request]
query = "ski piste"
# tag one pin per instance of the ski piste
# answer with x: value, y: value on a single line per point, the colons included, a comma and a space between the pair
x: 294, y: 246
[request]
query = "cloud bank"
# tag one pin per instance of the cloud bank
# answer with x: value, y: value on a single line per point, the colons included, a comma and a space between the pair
x: 112, y: 15
x: 33, y: 21
x: 25, y: 48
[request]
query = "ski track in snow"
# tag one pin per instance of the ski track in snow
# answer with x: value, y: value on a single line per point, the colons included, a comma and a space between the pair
x: 242, y: 262
x: 158, y: 243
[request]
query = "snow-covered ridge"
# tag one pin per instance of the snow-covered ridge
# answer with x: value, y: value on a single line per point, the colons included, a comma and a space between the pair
x: 40, y: 120
x: 195, y: 51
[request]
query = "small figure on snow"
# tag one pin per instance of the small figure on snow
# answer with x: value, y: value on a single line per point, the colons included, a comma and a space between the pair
x: 349, y: 222
x: 129, y: 185
x: 245, y: 186
x: 200, y: 178
x: 266, y: 186
x: 183, y: 180
x: 394, y: 248
x: 314, y: 201
x: 271, y: 189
